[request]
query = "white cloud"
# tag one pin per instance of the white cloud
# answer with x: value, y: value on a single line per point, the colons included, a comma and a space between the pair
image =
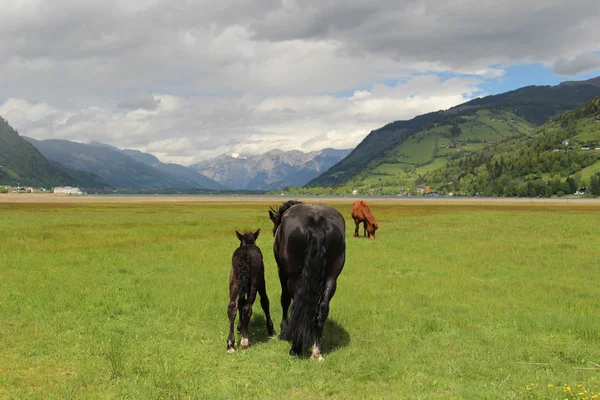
x: 186, y: 80
x: 141, y: 102
x: 187, y: 130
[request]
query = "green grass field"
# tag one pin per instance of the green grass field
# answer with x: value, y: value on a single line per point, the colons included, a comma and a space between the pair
x: 451, y: 301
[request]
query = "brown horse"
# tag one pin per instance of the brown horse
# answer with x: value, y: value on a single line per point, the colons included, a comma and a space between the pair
x: 247, y: 276
x: 310, y: 251
x: 362, y: 213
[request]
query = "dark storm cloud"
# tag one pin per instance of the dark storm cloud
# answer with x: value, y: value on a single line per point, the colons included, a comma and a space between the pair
x: 582, y: 63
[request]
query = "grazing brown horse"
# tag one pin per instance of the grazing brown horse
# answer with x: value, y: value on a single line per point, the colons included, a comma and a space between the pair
x: 247, y: 276
x: 310, y: 251
x: 362, y: 213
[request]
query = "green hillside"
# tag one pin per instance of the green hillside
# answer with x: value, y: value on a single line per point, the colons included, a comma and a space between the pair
x: 21, y: 163
x: 404, y: 163
x: 399, y: 153
x: 555, y: 159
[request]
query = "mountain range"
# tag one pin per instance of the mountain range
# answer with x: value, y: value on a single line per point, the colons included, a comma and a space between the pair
x: 272, y: 170
x: 98, y: 166
x: 118, y: 168
x: 402, y: 152
x: 428, y: 149
x: 22, y: 164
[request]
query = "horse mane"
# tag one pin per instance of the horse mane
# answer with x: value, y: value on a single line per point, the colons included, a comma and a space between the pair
x: 277, y: 214
x: 371, y: 220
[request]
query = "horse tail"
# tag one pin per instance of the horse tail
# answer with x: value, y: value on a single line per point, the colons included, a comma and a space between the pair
x: 302, y: 322
x: 242, y: 260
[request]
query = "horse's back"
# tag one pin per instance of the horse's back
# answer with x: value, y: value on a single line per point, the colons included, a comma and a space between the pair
x: 302, y: 214
x: 360, y: 210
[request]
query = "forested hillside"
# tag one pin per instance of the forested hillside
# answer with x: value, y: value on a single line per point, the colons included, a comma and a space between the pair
x: 556, y: 159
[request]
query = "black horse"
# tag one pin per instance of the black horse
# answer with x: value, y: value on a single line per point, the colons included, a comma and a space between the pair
x: 310, y: 251
x: 247, y: 276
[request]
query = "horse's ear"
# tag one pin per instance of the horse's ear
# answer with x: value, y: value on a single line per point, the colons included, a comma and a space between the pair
x: 256, y: 234
x: 272, y: 216
x: 239, y: 236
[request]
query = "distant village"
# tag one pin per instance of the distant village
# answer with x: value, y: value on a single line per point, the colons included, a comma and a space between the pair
x: 69, y: 190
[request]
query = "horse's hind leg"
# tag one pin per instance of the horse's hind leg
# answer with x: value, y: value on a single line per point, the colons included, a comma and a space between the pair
x: 317, y: 347
x: 264, y: 303
x: 286, y: 300
x: 245, y: 313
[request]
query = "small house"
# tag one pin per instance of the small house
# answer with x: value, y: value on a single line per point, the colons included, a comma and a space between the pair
x: 68, y: 190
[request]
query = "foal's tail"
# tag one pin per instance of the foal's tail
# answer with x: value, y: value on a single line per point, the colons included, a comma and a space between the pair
x: 243, y: 275
x: 302, y: 321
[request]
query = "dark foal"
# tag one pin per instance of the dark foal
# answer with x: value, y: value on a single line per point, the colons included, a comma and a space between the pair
x: 247, y: 277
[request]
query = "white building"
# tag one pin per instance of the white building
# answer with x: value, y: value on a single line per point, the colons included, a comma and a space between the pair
x: 67, y: 190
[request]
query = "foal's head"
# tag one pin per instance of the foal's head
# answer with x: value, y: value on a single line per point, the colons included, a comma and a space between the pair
x: 248, y: 238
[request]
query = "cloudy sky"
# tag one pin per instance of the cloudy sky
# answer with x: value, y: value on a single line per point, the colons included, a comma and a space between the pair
x: 188, y: 80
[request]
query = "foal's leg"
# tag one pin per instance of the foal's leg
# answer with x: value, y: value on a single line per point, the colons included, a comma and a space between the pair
x: 231, y: 312
x: 323, y: 312
x: 264, y: 303
x: 245, y: 313
x: 357, y: 222
x: 365, y: 228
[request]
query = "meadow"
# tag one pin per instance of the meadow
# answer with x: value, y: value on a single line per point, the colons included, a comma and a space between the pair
x: 452, y: 300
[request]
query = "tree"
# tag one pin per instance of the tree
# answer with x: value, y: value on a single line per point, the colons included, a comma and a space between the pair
x: 455, y: 131
x: 573, y: 185
x: 595, y: 184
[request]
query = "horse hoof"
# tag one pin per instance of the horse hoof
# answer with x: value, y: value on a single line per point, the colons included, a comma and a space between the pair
x: 272, y: 334
x: 316, y: 357
x: 294, y: 353
x: 244, y: 343
x: 230, y: 350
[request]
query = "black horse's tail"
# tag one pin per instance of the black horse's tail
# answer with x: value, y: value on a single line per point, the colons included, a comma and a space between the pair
x: 302, y: 321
